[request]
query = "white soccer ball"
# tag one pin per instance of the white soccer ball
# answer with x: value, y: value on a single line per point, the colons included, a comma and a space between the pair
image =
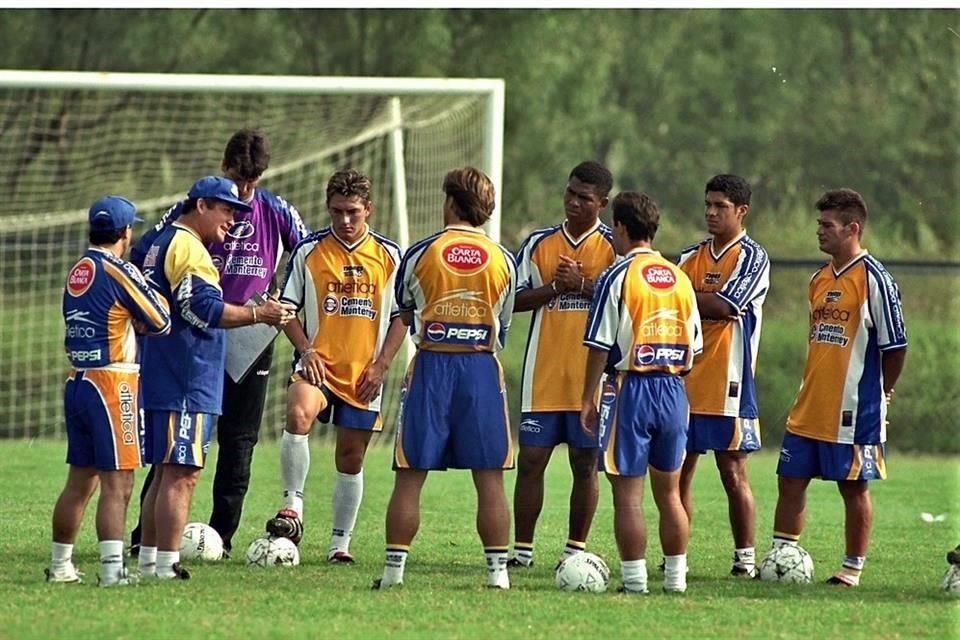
x: 272, y: 552
x: 951, y: 581
x: 787, y: 563
x: 200, y: 542
x: 584, y: 571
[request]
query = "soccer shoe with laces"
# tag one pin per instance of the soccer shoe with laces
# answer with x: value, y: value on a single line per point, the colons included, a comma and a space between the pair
x: 66, y: 575
x: 838, y: 579
x: 286, y: 524
x: 740, y: 571
x: 953, y: 556
x: 179, y: 573
x: 377, y: 585
x: 125, y: 579
x: 514, y: 562
x: 340, y: 557
x: 632, y: 592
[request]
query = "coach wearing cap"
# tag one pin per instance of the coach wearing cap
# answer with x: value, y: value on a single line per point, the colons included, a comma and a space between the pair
x: 182, y: 374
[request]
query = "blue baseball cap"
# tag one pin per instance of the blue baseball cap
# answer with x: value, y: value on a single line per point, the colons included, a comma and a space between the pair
x: 111, y: 213
x: 219, y: 188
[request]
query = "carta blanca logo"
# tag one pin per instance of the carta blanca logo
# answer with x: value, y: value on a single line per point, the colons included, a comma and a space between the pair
x: 458, y: 334
x: 645, y: 355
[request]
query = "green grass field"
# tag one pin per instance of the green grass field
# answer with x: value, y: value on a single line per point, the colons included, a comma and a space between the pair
x: 444, y: 595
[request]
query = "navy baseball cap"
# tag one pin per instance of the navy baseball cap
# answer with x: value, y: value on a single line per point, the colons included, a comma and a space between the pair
x: 111, y: 213
x: 219, y: 188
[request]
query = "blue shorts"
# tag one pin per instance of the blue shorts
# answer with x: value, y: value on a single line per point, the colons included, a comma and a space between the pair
x: 802, y: 457
x: 722, y: 433
x: 341, y: 412
x: 178, y: 437
x: 453, y: 414
x: 103, y: 419
x: 643, y: 421
x: 550, y: 428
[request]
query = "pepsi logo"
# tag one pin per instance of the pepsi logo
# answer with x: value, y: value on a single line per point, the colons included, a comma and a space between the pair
x: 644, y: 354
x: 609, y: 394
x: 465, y: 258
x: 241, y: 229
x: 659, y: 277
x: 436, y: 332
x: 330, y: 305
x: 81, y: 277
x: 217, y: 262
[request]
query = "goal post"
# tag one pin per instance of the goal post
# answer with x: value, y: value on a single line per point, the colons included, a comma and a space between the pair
x: 67, y: 138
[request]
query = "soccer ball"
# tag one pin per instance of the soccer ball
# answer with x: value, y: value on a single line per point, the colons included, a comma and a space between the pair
x: 272, y: 552
x: 583, y: 572
x: 787, y: 563
x: 951, y: 581
x: 200, y: 542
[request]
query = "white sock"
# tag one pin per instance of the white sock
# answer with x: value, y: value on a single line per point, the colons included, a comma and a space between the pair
x: 111, y: 561
x: 745, y: 557
x: 675, y: 573
x: 165, y: 562
x: 294, y: 466
x: 634, y: 575
x: 393, y: 566
x: 347, y: 494
x: 497, y: 575
x: 147, y: 561
x: 61, y: 556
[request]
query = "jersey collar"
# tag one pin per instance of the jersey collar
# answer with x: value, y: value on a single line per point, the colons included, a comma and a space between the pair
x: 464, y: 227
x: 839, y: 272
x: 351, y: 247
x: 576, y: 241
x: 718, y: 254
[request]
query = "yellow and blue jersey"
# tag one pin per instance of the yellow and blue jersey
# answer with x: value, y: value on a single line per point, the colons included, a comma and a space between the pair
x: 103, y: 294
x: 344, y: 296
x: 722, y: 382
x: 552, y: 383
x: 644, y: 313
x: 855, y: 315
x: 460, y: 286
x: 184, y: 370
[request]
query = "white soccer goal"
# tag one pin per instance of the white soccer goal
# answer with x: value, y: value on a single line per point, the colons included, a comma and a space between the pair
x: 67, y: 138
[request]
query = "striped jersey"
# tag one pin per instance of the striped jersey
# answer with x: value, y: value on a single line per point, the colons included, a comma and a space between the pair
x: 103, y: 294
x: 644, y: 312
x: 855, y: 315
x: 460, y: 286
x: 555, y: 358
x: 344, y: 297
x: 722, y: 383
x: 184, y: 370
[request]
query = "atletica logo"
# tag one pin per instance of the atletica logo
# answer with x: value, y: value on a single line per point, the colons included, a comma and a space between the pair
x: 352, y: 288
x: 531, y: 426
x: 128, y: 413
x: 465, y: 258
x: 659, y: 277
x: 456, y: 304
x: 830, y: 313
x: 662, y: 323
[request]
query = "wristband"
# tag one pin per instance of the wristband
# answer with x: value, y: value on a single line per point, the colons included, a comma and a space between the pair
x: 254, y: 309
x: 553, y: 285
x: 582, y: 282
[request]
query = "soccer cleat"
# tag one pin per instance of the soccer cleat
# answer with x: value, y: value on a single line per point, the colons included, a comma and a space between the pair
x: 838, y: 579
x: 340, y: 557
x: 516, y: 563
x: 134, y: 550
x: 286, y: 524
x: 377, y: 585
x: 66, y: 575
x: 677, y: 590
x: 179, y: 573
x: 634, y: 592
x: 740, y: 571
x: 125, y: 579
x: 953, y: 556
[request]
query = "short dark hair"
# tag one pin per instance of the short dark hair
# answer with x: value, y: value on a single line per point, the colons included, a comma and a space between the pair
x: 349, y: 183
x: 850, y: 205
x: 247, y: 154
x: 99, y: 237
x: 737, y: 189
x: 473, y: 193
x: 596, y: 174
x: 637, y: 212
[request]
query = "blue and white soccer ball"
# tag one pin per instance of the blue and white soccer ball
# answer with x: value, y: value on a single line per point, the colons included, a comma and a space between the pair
x: 951, y: 581
x: 268, y: 551
x: 787, y: 563
x: 200, y: 542
x: 584, y: 571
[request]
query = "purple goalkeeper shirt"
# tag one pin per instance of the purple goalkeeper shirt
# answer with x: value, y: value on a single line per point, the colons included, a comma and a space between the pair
x: 249, y: 256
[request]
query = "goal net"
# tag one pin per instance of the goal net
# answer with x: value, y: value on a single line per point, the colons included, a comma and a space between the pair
x: 68, y: 138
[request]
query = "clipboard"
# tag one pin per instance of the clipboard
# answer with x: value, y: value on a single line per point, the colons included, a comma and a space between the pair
x: 245, y: 345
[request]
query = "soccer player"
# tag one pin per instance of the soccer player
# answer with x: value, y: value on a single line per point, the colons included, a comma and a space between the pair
x: 104, y: 299
x: 341, y: 279
x: 247, y: 259
x: 183, y: 381
x: 731, y: 274
x: 557, y: 268
x: 455, y: 289
x: 644, y: 322
x: 857, y: 346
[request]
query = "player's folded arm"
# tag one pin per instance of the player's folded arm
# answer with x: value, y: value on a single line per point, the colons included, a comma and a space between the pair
x: 198, y: 302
